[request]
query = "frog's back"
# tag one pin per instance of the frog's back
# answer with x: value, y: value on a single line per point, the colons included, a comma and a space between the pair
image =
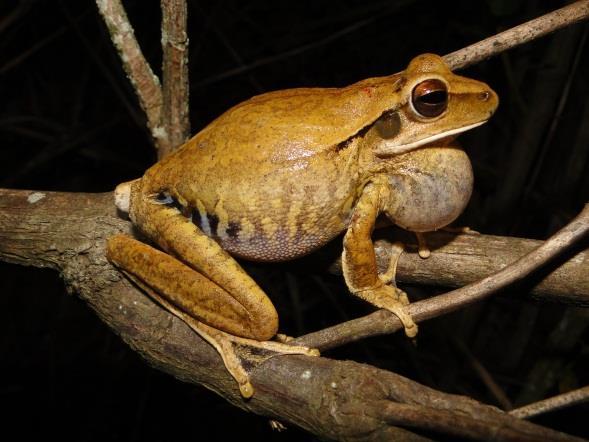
x: 297, y: 123
x: 274, y: 177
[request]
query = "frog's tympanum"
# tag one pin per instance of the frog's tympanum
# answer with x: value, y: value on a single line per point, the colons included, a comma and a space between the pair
x: 280, y: 175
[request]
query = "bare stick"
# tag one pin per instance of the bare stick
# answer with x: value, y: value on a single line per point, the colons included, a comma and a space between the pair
x: 144, y: 81
x: 382, y: 322
x: 551, y: 404
x: 167, y: 109
x: 175, y: 74
x: 518, y: 35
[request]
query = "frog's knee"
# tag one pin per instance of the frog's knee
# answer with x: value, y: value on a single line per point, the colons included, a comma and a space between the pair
x: 123, y: 196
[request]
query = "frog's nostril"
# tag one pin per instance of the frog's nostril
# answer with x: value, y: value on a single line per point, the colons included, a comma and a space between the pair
x: 484, y: 96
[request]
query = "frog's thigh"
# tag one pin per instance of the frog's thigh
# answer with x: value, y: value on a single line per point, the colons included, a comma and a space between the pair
x: 175, y: 233
x: 359, y: 261
x: 207, y: 308
x: 188, y: 290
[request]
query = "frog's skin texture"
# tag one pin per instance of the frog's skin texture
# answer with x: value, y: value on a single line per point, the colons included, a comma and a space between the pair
x: 280, y: 175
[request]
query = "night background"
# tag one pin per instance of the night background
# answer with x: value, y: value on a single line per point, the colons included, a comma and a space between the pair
x: 69, y: 121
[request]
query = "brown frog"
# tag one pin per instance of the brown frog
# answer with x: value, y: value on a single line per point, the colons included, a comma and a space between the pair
x: 280, y: 175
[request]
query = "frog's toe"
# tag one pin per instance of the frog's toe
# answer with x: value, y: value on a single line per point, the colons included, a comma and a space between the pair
x: 246, y: 389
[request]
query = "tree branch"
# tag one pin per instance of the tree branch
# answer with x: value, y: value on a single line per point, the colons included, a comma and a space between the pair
x: 384, y: 322
x: 518, y: 35
x: 461, y: 259
x: 175, y: 74
x: 167, y: 109
x: 144, y: 81
x: 551, y: 404
x: 67, y: 232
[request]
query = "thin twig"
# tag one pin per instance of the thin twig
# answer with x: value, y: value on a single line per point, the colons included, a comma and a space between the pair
x: 551, y: 404
x: 484, y: 376
x: 284, y: 55
x: 175, y: 74
x: 383, y: 322
x: 7, y: 20
x: 144, y: 81
x: 24, y: 54
x: 518, y: 35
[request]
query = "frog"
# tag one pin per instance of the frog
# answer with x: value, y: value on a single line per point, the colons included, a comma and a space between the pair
x: 280, y: 175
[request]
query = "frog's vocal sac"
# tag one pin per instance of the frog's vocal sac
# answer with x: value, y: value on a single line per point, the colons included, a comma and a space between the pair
x: 283, y: 173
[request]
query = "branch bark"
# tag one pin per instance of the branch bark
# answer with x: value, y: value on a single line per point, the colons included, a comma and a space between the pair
x: 145, y: 83
x: 342, y: 400
x: 175, y: 74
x: 518, y: 35
x: 551, y: 404
x: 459, y: 260
x: 384, y: 322
x: 166, y: 109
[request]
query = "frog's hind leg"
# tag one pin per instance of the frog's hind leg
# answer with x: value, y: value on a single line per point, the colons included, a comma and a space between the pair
x: 157, y: 272
x: 208, y: 290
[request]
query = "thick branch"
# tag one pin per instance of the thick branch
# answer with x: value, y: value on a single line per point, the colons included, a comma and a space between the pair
x: 341, y: 399
x: 384, y: 322
x: 458, y: 260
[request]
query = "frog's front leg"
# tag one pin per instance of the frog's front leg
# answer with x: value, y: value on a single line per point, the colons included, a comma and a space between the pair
x: 208, y: 290
x: 359, y: 261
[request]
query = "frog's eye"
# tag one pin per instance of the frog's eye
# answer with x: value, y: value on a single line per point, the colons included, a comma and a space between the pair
x: 430, y: 98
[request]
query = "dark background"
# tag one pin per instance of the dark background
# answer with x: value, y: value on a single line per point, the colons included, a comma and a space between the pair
x: 69, y: 121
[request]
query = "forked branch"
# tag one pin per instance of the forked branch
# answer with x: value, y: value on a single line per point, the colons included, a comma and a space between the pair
x: 344, y: 400
x: 384, y: 322
x: 166, y: 109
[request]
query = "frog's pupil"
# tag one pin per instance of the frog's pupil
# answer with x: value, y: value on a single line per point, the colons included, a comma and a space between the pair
x: 430, y: 98
x: 435, y: 97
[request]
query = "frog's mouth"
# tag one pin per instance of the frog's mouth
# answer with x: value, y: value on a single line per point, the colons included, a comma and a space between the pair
x: 390, y: 148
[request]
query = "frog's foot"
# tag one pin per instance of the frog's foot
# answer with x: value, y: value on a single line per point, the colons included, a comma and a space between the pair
x: 422, y: 248
x: 394, y: 300
x: 277, y: 425
x: 281, y: 337
x: 237, y: 353
x: 242, y: 355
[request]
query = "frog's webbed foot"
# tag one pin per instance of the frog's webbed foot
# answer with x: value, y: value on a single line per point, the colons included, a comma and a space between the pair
x: 196, y: 299
x: 399, y: 297
x: 240, y: 355
x: 394, y: 300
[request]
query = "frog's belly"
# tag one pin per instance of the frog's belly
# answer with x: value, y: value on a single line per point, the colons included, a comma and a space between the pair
x: 263, y: 238
x: 281, y: 247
